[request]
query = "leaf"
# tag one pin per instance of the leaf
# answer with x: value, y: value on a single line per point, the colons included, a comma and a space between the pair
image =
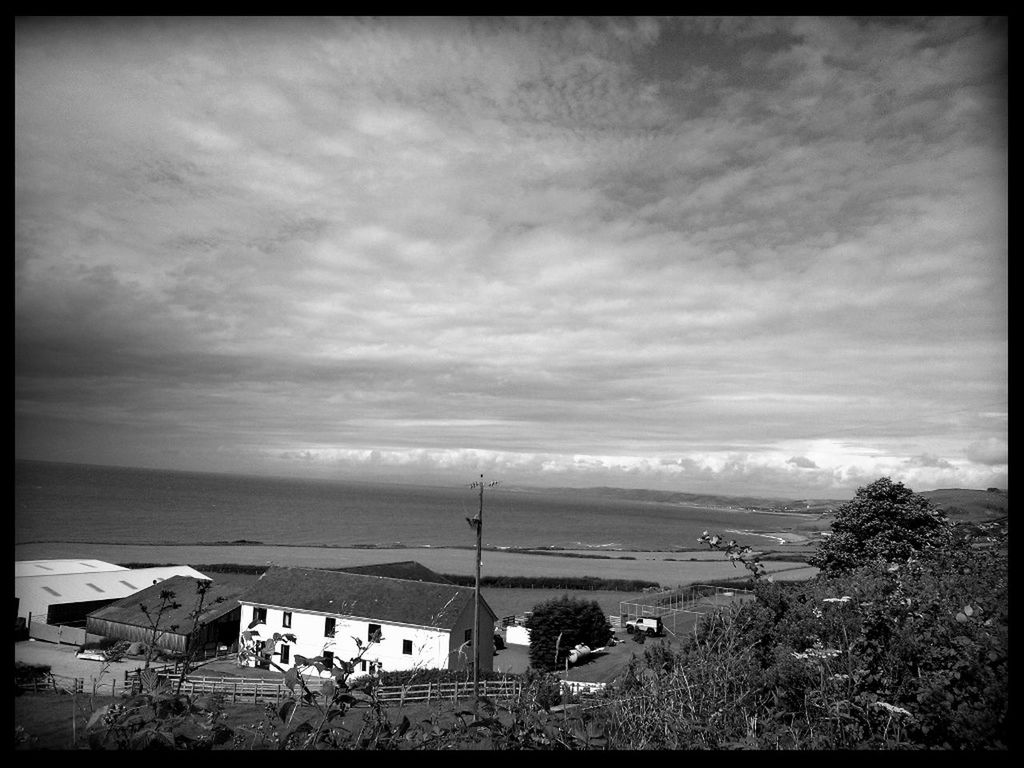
x: 301, y: 660
x: 335, y: 713
x: 403, y: 726
x: 291, y: 679
x: 254, y: 623
x: 96, y: 716
x: 328, y: 688
x: 286, y: 710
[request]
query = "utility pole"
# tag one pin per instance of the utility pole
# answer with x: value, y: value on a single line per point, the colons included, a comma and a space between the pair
x: 478, y: 524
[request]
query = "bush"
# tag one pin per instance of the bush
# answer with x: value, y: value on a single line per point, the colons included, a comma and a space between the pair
x: 913, y: 655
x: 23, y: 671
x: 884, y: 521
x: 558, y: 625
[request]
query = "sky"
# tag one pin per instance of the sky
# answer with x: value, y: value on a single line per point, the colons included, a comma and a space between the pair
x: 737, y: 255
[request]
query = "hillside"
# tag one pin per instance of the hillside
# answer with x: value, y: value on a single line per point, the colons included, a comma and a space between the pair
x: 969, y: 505
x: 958, y: 503
x: 707, y: 500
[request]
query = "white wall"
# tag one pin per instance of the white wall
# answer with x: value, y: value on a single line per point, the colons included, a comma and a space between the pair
x: 429, y: 647
x: 517, y: 635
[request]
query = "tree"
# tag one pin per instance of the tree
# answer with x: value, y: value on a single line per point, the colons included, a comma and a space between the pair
x: 884, y: 521
x: 155, y: 619
x: 559, y: 625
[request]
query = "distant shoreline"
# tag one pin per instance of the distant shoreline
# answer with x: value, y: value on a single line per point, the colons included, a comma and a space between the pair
x: 595, y: 553
x: 662, y: 567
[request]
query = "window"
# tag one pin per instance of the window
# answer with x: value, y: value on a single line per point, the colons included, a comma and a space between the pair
x: 329, y: 659
x: 260, y: 615
x: 362, y: 665
x: 261, y: 659
x: 329, y: 626
x: 286, y: 619
x: 407, y: 647
x: 373, y: 629
x: 285, y: 654
x: 468, y: 637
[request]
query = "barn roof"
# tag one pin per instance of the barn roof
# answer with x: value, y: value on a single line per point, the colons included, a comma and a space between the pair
x: 365, y: 596
x: 36, y: 593
x: 57, y: 567
x: 220, y: 599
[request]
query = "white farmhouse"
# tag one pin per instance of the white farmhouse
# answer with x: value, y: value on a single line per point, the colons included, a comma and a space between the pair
x: 422, y: 625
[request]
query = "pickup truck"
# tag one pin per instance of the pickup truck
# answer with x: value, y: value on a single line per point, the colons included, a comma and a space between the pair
x: 648, y: 625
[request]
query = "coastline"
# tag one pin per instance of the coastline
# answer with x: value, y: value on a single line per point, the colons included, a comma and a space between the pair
x: 668, y: 568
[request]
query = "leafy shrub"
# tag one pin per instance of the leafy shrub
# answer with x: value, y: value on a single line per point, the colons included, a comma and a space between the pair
x: 557, y: 626
x: 23, y: 671
x: 884, y: 521
x: 886, y: 655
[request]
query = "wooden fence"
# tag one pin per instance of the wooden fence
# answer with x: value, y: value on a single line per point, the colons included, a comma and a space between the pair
x: 429, y: 692
x: 256, y: 689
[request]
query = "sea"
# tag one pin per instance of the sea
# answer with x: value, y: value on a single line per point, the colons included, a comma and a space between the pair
x: 57, y: 502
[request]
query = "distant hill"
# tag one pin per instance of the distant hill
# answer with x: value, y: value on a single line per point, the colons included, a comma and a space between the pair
x: 706, y: 500
x: 969, y: 505
x: 958, y: 503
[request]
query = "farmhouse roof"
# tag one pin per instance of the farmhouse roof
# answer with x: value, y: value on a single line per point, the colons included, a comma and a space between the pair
x: 409, y: 570
x: 377, y: 598
x: 219, y: 600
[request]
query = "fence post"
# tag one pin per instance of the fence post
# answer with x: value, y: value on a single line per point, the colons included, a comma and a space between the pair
x: 113, y: 688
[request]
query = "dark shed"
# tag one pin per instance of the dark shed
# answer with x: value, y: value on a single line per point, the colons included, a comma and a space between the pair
x: 218, y: 621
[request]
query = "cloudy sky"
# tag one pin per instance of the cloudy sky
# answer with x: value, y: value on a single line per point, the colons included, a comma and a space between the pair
x: 710, y: 255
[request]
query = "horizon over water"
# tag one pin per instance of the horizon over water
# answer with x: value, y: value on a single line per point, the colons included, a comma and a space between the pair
x: 93, y: 503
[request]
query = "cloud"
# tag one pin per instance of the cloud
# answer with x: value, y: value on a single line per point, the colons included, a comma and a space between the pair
x: 802, y: 461
x: 926, y: 460
x: 992, y: 451
x: 716, y: 251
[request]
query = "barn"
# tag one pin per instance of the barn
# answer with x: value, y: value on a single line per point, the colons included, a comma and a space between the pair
x: 217, y: 623
x: 66, y: 591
